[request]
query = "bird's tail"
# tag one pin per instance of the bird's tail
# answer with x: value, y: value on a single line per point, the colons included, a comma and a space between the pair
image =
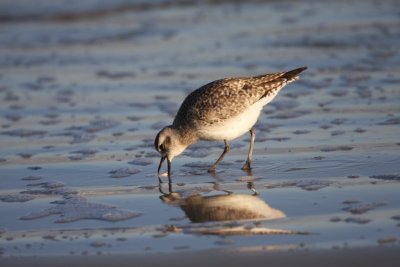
x: 292, y: 75
x: 285, y: 77
x: 274, y: 82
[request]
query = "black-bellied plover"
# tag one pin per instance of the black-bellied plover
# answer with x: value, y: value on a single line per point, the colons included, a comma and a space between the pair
x: 221, y: 111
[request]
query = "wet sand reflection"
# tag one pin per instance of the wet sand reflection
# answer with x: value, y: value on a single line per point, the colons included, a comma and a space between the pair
x: 224, y: 214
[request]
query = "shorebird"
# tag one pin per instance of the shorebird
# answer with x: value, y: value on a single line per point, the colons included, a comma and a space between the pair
x: 221, y: 111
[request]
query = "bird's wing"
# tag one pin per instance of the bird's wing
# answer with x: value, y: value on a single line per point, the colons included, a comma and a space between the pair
x: 215, y: 102
x: 226, y: 98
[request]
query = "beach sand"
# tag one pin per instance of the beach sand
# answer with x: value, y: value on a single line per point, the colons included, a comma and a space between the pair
x: 85, y: 88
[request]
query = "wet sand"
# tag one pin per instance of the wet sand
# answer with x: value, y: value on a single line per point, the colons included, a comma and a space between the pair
x: 84, y: 90
x: 349, y: 257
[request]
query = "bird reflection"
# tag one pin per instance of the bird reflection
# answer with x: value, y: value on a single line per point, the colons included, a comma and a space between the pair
x: 222, y: 207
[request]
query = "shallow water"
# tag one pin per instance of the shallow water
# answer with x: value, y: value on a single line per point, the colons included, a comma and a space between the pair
x: 83, y: 93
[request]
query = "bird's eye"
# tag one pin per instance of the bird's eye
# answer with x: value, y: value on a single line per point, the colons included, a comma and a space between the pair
x: 161, y: 147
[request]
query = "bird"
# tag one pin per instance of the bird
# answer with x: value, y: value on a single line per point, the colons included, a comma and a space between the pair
x: 221, y: 110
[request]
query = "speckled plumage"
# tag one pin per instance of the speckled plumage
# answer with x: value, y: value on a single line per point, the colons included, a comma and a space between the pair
x: 222, y: 99
x: 221, y: 110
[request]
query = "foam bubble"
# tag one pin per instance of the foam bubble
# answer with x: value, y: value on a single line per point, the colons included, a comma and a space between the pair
x: 76, y: 208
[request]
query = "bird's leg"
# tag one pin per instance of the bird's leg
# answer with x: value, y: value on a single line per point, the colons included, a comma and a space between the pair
x: 217, y: 187
x: 250, y: 185
x: 226, y: 150
x: 247, y: 165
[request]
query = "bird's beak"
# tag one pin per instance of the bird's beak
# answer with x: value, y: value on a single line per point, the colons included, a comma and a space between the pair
x: 159, y: 166
x: 169, y: 167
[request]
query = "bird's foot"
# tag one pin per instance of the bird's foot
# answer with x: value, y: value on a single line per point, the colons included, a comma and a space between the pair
x: 211, y: 170
x: 247, y: 166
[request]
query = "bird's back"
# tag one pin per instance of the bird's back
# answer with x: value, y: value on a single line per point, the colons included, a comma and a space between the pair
x: 223, y: 99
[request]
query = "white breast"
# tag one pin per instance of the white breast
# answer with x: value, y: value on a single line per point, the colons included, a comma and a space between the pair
x: 236, y: 126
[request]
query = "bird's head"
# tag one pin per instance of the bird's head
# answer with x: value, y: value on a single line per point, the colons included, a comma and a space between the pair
x: 168, y: 144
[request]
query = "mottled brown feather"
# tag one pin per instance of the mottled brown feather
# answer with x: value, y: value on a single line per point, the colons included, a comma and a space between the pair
x: 223, y: 99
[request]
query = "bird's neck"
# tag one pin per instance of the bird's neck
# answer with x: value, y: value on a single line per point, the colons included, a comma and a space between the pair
x: 187, y: 135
